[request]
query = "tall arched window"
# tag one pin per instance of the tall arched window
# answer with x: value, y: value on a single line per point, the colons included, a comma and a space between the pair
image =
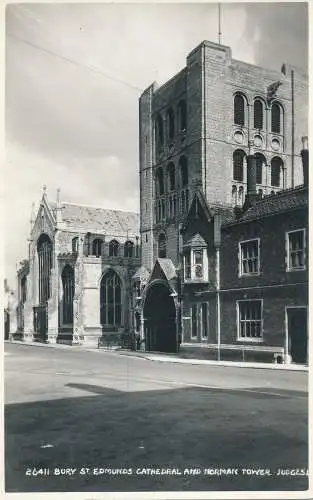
x: 183, y: 171
x: 276, y: 118
x: 111, y: 299
x: 128, y: 249
x: 68, y: 284
x: 182, y: 113
x: 171, y: 176
x: 171, y: 124
x: 159, y: 132
x: 258, y: 114
x: 113, y: 248
x: 234, y: 195
x: 260, y: 162
x: 75, y: 245
x: 276, y: 169
x: 44, y: 250
x: 238, y: 157
x: 23, y: 289
x: 159, y: 182
x: 240, y: 196
x: 239, y: 110
x: 97, y: 247
x: 162, y: 245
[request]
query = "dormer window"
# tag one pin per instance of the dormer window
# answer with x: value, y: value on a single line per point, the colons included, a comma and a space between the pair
x: 196, y: 259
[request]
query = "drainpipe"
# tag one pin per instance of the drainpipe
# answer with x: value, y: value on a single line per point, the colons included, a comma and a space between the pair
x: 217, y: 243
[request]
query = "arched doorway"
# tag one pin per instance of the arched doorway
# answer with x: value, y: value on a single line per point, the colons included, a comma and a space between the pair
x: 160, y: 319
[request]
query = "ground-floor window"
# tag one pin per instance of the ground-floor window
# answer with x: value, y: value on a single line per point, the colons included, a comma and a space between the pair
x: 249, y: 320
x: 111, y: 299
x: 199, y: 321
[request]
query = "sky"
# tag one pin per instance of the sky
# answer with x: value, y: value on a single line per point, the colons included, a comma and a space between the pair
x: 73, y: 77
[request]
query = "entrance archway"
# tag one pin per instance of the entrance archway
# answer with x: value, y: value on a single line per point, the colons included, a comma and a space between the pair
x: 160, y: 319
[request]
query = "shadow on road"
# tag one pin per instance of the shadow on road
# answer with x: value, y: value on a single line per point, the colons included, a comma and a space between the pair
x: 162, y: 429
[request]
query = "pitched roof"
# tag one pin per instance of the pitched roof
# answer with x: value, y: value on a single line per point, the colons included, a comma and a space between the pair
x: 142, y: 273
x: 167, y: 267
x: 102, y: 220
x: 196, y: 240
x: 283, y: 201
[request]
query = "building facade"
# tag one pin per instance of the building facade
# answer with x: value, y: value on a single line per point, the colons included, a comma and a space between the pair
x: 75, y: 286
x: 199, y: 134
x: 220, y: 268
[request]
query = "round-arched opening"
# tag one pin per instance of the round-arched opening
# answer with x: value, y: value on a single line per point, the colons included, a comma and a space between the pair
x: 160, y: 319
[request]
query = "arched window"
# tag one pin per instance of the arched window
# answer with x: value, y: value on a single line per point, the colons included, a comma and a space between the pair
x: 75, y: 245
x: 276, y: 118
x: 276, y: 168
x: 128, y: 249
x: 240, y: 196
x: 239, y: 110
x: 23, y: 289
x: 111, y: 299
x: 182, y: 112
x: 113, y: 248
x: 183, y: 171
x: 234, y: 195
x: 171, y: 124
x: 159, y: 132
x: 44, y: 250
x: 68, y: 284
x: 97, y: 247
x: 171, y: 176
x: 258, y: 114
x: 260, y: 163
x: 159, y: 182
x: 238, y: 157
x: 162, y: 245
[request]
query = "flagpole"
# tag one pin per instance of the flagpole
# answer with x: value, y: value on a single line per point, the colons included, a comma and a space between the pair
x: 219, y: 24
x: 292, y: 130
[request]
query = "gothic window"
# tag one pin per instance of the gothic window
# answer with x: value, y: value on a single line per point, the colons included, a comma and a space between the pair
x: 183, y: 171
x: 258, y: 114
x: 171, y: 176
x: 97, y: 247
x: 276, y: 118
x: 128, y: 249
x: 44, y: 250
x: 111, y: 299
x: 162, y: 245
x: 68, y: 284
x: 171, y: 124
x: 159, y: 132
x: 239, y: 110
x: 240, y: 196
x: 260, y: 162
x: 75, y: 245
x: 159, y: 182
x: 276, y: 168
x: 234, y: 195
x: 238, y: 157
x: 182, y: 111
x: 113, y: 248
x: 23, y: 289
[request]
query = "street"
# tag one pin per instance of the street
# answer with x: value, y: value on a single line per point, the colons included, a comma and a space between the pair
x: 77, y: 420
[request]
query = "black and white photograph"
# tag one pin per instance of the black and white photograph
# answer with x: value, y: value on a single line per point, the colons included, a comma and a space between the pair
x: 156, y: 244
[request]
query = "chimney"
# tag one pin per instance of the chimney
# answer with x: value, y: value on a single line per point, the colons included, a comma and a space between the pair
x: 305, y: 160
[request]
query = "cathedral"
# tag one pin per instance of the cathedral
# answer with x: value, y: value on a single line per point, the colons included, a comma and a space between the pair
x: 215, y: 264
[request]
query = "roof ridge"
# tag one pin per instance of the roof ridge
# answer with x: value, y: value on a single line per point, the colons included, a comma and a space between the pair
x: 97, y: 207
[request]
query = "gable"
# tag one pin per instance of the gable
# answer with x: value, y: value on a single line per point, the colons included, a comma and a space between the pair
x: 163, y: 269
x: 44, y: 222
x: 198, y: 213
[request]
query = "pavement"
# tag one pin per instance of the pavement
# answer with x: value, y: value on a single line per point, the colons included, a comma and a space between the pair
x: 160, y: 357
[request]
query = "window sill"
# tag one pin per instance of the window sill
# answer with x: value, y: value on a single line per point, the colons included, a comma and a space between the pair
x: 250, y: 340
x: 295, y: 269
x: 250, y: 275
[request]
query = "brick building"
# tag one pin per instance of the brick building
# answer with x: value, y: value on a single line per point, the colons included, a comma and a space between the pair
x: 199, y: 133
x: 76, y: 284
